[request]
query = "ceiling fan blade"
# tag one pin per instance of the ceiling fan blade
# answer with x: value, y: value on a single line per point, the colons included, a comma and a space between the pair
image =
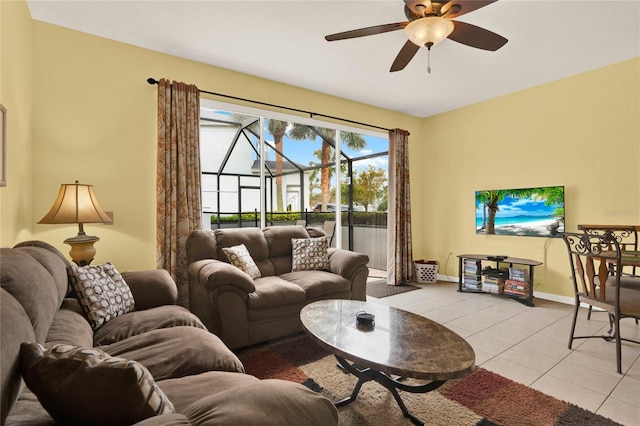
x: 456, y: 8
x: 405, y: 56
x: 376, y: 29
x: 477, y: 37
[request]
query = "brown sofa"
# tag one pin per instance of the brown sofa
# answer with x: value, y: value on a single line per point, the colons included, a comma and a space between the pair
x: 202, y: 379
x: 244, y: 311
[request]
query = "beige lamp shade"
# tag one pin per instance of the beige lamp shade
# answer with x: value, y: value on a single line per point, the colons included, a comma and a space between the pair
x: 77, y: 203
x: 428, y: 31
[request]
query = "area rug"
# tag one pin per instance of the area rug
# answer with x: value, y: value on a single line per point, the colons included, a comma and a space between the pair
x: 380, y: 289
x: 482, y: 398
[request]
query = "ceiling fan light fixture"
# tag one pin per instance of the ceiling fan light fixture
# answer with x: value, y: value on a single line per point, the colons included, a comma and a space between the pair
x: 428, y: 31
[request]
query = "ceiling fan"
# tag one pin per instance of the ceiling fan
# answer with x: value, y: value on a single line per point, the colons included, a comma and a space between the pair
x: 429, y: 23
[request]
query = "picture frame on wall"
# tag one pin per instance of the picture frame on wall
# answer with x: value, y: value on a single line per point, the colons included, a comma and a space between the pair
x: 3, y: 145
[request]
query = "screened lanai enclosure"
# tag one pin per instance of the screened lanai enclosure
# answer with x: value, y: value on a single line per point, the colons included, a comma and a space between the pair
x: 277, y: 170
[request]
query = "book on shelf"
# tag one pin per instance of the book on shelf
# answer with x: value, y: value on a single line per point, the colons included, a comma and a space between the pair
x: 472, y: 272
x: 475, y: 287
x: 516, y: 288
x: 492, y: 285
x: 518, y: 274
x: 516, y: 285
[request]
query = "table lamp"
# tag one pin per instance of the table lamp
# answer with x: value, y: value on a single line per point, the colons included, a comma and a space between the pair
x: 77, y: 203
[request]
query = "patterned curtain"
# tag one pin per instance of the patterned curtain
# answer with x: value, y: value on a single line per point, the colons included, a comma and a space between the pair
x: 400, y: 257
x: 178, y: 178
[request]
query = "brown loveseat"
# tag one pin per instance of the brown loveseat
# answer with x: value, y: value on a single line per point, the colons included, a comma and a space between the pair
x: 244, y: 311
x: 191, y: 370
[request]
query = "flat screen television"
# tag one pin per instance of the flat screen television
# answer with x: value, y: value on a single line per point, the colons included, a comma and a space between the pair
x: 531, y: 212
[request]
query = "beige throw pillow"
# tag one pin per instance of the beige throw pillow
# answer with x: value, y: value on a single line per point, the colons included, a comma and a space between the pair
x: 78, y: 385
x: 102, y: 292
x: 240, y: 258
x: 309, y: 254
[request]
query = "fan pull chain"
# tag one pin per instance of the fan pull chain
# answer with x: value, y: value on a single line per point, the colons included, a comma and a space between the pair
x: 429, y: 59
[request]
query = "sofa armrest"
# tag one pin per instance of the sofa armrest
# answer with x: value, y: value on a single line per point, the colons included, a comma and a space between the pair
x: 352, y: 266
x: 346, y: 263
x: 218, y: 295
x: 151, y: 288
x: 212, y: 274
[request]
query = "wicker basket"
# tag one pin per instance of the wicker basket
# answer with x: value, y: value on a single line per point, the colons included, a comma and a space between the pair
x: 426, y: 272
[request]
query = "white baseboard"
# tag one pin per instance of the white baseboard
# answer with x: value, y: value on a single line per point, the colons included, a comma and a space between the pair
x: 567, y: 300
x: 442, y: 277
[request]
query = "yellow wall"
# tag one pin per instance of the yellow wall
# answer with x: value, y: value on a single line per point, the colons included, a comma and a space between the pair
x: 582, y: 132
x: 95, y: 121
x: 80, y: 108
x: 16, y: 95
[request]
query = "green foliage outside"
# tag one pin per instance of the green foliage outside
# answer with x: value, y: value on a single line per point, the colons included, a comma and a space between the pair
x: 378, y: 219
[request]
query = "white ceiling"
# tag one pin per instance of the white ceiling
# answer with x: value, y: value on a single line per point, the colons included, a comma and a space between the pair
x: 284, y: 41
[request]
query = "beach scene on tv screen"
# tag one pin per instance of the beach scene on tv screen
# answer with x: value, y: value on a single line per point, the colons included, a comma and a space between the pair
x: 533, y: 212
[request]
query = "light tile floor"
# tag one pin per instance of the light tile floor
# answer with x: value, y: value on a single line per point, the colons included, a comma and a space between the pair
x: 529, y: 345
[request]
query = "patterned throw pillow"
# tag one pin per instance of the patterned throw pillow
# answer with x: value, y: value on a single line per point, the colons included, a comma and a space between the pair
x: 309, y: 254
x: 102, y: 292
x: 240, y: 258
x: 79, y: 385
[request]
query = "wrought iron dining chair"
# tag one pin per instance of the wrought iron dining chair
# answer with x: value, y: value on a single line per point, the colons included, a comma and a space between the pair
x: 627, y: 238
x: 590, y: 257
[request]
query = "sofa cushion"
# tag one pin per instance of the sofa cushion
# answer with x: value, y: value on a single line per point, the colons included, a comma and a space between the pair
x: 253, y: 239
x: 79, y: 385
x: 28, y: 411
x: 177, y: 352
x: 102, y: 292
x: 239, y: 257
x: 271, y: 402
x: 317, y: 284
x: 16, y: 328
x: 37, y: 281
x: 273, y: 292
x: 184, y: 391
x: 70, y: 326
x: 309, y: 254
x: 279, y: 238
x: 139, y: 322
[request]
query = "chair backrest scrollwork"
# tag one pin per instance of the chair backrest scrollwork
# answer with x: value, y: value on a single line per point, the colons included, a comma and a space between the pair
x: 590, y: 257
x: 625, y: 235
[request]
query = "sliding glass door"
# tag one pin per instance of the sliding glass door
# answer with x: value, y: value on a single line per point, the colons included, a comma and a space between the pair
x: 262, y: 169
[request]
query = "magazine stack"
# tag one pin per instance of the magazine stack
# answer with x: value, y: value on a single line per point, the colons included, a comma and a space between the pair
x: 517, y: 284
x: 472, y: 277
x: 494, y: 280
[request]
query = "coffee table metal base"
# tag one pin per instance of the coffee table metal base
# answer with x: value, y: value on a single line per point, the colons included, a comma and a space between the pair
x: 367, y: 374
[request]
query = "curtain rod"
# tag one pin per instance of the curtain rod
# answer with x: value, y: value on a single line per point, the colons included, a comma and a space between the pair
x: 152, y: 81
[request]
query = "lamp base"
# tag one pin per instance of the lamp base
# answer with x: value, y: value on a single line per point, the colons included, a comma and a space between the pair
x: 82, y: 250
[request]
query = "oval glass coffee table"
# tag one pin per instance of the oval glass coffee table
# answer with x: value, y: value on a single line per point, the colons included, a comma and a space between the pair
x: 398, y: 343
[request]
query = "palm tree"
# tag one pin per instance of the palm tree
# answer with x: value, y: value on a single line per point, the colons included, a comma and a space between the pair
x: 352, y: 140
x: 277, y: 129
x: 490, y: 200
